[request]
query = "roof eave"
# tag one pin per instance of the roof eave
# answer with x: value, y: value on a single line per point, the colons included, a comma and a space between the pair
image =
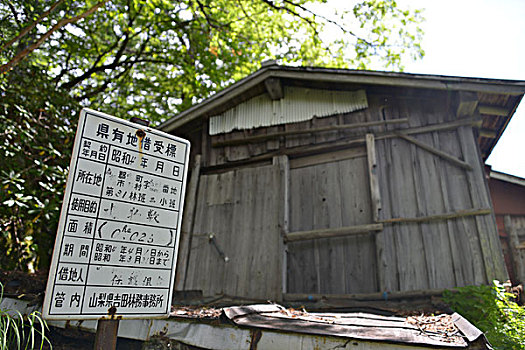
x: 434, y: 82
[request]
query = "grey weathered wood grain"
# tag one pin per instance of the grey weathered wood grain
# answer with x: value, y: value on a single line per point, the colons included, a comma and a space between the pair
x: 472, y: 266
x: 187, y: 224
x: 517, y: 253
x: 238, y: 208
x: 487, y: 231
x: 284, y: 215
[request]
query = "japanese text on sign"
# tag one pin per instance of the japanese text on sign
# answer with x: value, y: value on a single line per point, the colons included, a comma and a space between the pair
x: 119, y: 226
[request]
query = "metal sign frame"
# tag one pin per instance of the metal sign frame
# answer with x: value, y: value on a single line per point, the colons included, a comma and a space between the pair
x: 95, y: 240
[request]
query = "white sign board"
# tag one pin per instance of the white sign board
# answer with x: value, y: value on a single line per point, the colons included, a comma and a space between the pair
x: 117, y: 241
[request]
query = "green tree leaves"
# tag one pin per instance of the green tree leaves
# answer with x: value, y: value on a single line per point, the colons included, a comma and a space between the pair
x: 153, y: 59
x: 492, y: 310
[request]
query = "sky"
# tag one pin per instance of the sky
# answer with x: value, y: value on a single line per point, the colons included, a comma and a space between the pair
x: 477, y: 38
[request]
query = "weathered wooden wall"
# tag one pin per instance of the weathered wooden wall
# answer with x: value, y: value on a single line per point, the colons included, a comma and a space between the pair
x: 416, y: 183
x: 239, y: 209
x: 434, y: 229
x: 323, y: 196
x: 515, y: 227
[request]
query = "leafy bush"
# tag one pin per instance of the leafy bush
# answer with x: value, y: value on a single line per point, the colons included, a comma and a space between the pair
x: 37, y: 124
x: 19, y: 332
x: 491, y: 309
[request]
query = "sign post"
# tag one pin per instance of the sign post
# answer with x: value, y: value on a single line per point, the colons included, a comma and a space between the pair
x: 118, y: 235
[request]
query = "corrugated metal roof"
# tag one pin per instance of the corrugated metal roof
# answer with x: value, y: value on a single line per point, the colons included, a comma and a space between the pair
x: 298, y: 104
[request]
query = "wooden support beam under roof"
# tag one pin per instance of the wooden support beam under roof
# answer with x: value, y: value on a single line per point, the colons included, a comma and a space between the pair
x: 467, y: 103
x: 274, y: 88
x: 493, y: 110
x: 488, y: 133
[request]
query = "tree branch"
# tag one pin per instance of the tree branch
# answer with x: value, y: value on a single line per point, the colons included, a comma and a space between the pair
x: 31, y: 26
x: 22, y: 54
x: 15, y: 15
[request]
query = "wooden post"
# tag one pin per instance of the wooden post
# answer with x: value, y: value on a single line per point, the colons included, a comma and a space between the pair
x: 375, y: 199
x: 284, y: 212
x: 106, y: 336
x: 187, y: 226
x: 372, y: 174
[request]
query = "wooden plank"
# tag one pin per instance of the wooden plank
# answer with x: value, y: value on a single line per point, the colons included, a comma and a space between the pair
x: 387, y: 254
x: 284, y: 215
x: 493, y: 110
x: 196, y: 259
x: 437, y: 248
x: 437, y: 152
x: 393, y: 295
x: 273, y: 144
x: 433, y: 127
x: 439, y: 217
x: 302, y: 276
x: 429, y: 200
x: 330, y: 259
x: 488, y: 133
x: 517, y: 255
x: 295, y: 145
x: 325, y: 123
x: 329, y: 157
x: 237, y: 152
x: 264, y: 269
x: 372, y: 176
x: 301, y: 130
x: 487, y: 229
x: 293, y: 139
x: 205, y: 145
x: 359, y: 250
x: 463, y: 234
x: 333, y: 232
x: 384, y: 240
x: 411, y: 263
x: 187, y: 225
x: 449, y: 227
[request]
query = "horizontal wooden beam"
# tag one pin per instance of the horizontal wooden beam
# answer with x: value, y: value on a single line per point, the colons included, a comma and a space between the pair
x: 493, y: 110
x: 349, y: 153
x: 339, y: 145
x: 433, y: 127
x: 446, y: 216
x: 332, y: 232
x: 261, y: 138
x: 441, y: 154
x: 413, y: 294
x: 488, y: 133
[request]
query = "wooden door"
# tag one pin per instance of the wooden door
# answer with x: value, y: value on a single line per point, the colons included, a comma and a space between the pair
x: 236, y: 234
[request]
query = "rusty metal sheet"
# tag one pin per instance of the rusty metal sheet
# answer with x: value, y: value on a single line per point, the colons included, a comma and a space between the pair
x: 354, y: 326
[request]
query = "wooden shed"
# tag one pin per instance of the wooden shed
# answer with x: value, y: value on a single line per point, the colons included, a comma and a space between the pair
x: 315, y: 181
